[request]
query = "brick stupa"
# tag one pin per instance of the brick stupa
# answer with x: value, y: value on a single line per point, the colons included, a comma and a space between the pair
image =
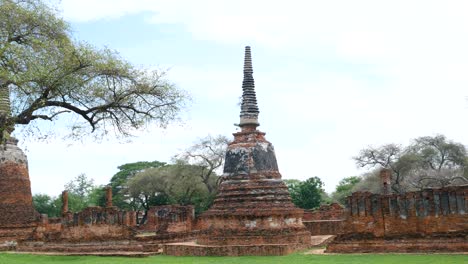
x: 253, y: 206
x: 16, y: 206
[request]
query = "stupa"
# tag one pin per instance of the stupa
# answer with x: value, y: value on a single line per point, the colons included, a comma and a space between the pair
x: 16, y: 206
x: 253, y: 206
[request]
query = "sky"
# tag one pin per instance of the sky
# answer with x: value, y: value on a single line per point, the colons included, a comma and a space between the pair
x: 332, y: 77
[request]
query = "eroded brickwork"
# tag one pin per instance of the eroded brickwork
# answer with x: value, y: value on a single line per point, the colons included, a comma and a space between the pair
x: 332, y: 211
x: 328, y: 219
x: 433, y: 218
x: 169, y: 219
x: 16, y: 208
x: 253, y: 205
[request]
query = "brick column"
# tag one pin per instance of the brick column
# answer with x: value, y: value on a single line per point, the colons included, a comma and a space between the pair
x: 386, y: 180
x: 108, y: 196
x: 64, y: 203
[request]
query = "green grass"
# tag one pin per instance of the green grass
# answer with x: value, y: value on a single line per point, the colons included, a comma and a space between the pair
x: 291, y: 259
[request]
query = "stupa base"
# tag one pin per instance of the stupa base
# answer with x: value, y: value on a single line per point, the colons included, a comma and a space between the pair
x: 194, y: 249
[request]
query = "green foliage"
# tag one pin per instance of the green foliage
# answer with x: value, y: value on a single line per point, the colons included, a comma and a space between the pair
x: 208, y: 154
x: 83, y: 193
x: 120, y: 179
x: 307, y: 194
x: 48, y: 205
x: 81, y: 186
x: 171, y: 184
x: 345, y: 188
x: 49, y: 74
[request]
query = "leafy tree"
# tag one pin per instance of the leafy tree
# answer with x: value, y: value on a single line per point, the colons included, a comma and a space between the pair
x: 148, y: 188
x: 187, y: 188
x: 80, y: 186
x: 120, y: 179
x: 170, y: 184
x: 426, y: 162
x: 208, y: 154
x: 48, y: 205
x: 97, y: 196
x: 442, y: 162
x: 345, y: 188
x: 307, y: 194
x: 79, y: 190
x: 49, y: 74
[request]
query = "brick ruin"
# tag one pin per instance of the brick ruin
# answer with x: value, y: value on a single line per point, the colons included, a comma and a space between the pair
x: 326, y: 220
x: 252, y: 213
x: 17, y: 214
x: 428, y: 220
x: 170, y: 219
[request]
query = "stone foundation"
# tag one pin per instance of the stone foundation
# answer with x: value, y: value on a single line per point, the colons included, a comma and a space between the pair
x: 193, y: 249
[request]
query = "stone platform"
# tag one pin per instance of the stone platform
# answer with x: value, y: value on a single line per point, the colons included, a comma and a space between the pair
x: 193, y: 249
x: 404, y: 245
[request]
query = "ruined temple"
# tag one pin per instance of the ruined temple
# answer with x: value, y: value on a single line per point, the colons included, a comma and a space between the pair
x: 17, y: 214
x: 16, y: 205
x: 253, y: 205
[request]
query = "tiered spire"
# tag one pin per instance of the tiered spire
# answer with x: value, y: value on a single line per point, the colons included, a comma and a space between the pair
x: 249, y: 109
x: 4, y: 101
x: 5, y: 111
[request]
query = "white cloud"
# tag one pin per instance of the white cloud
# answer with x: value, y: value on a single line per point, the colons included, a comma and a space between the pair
x: 320, y: 118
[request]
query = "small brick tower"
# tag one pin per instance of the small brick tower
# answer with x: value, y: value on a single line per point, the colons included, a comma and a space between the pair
x: 386, y: 180
x: 253, y: 205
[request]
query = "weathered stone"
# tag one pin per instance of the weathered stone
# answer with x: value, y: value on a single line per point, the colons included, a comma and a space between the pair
x: 108, y: 196
x: 16, y: 208
x: 413, y: 219
x: 253, y: 205
x: 169, y: 219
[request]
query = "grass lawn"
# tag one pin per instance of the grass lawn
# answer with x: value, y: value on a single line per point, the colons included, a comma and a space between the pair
x: 290, y: 259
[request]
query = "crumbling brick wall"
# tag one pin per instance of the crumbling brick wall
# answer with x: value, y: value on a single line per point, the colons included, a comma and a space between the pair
x: 326, y: 220
x: 169, y: 219
x: 91, y: 224
x: 332, y: 211
x: 432, y: 211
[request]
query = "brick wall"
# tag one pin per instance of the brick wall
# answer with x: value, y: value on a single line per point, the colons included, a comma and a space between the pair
x: 169, y: 219
x: 431, y: 211
x: 326, y: 220
x: 332, y: 211
x: 91, y: 224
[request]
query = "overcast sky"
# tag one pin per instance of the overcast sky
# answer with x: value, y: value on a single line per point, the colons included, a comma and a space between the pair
x: 332, y: 77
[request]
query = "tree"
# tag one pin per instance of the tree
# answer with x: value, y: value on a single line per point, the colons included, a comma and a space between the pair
x: 307, y: 194
x: 442, y: 162
x: 48, y: 205
x: 79, y: 190
x: 426, y: 162
x: 345, y: 188
x: 119, y: 181
x: 208, y: 153
x: 187, y: 188
x: 49, y: 75
x: 170, y: 184
x: 149, y: 188
x: 390, y: 156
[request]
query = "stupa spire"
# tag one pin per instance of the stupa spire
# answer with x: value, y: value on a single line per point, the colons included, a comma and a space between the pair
x: 5, y: 111
x: 249, y: 109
